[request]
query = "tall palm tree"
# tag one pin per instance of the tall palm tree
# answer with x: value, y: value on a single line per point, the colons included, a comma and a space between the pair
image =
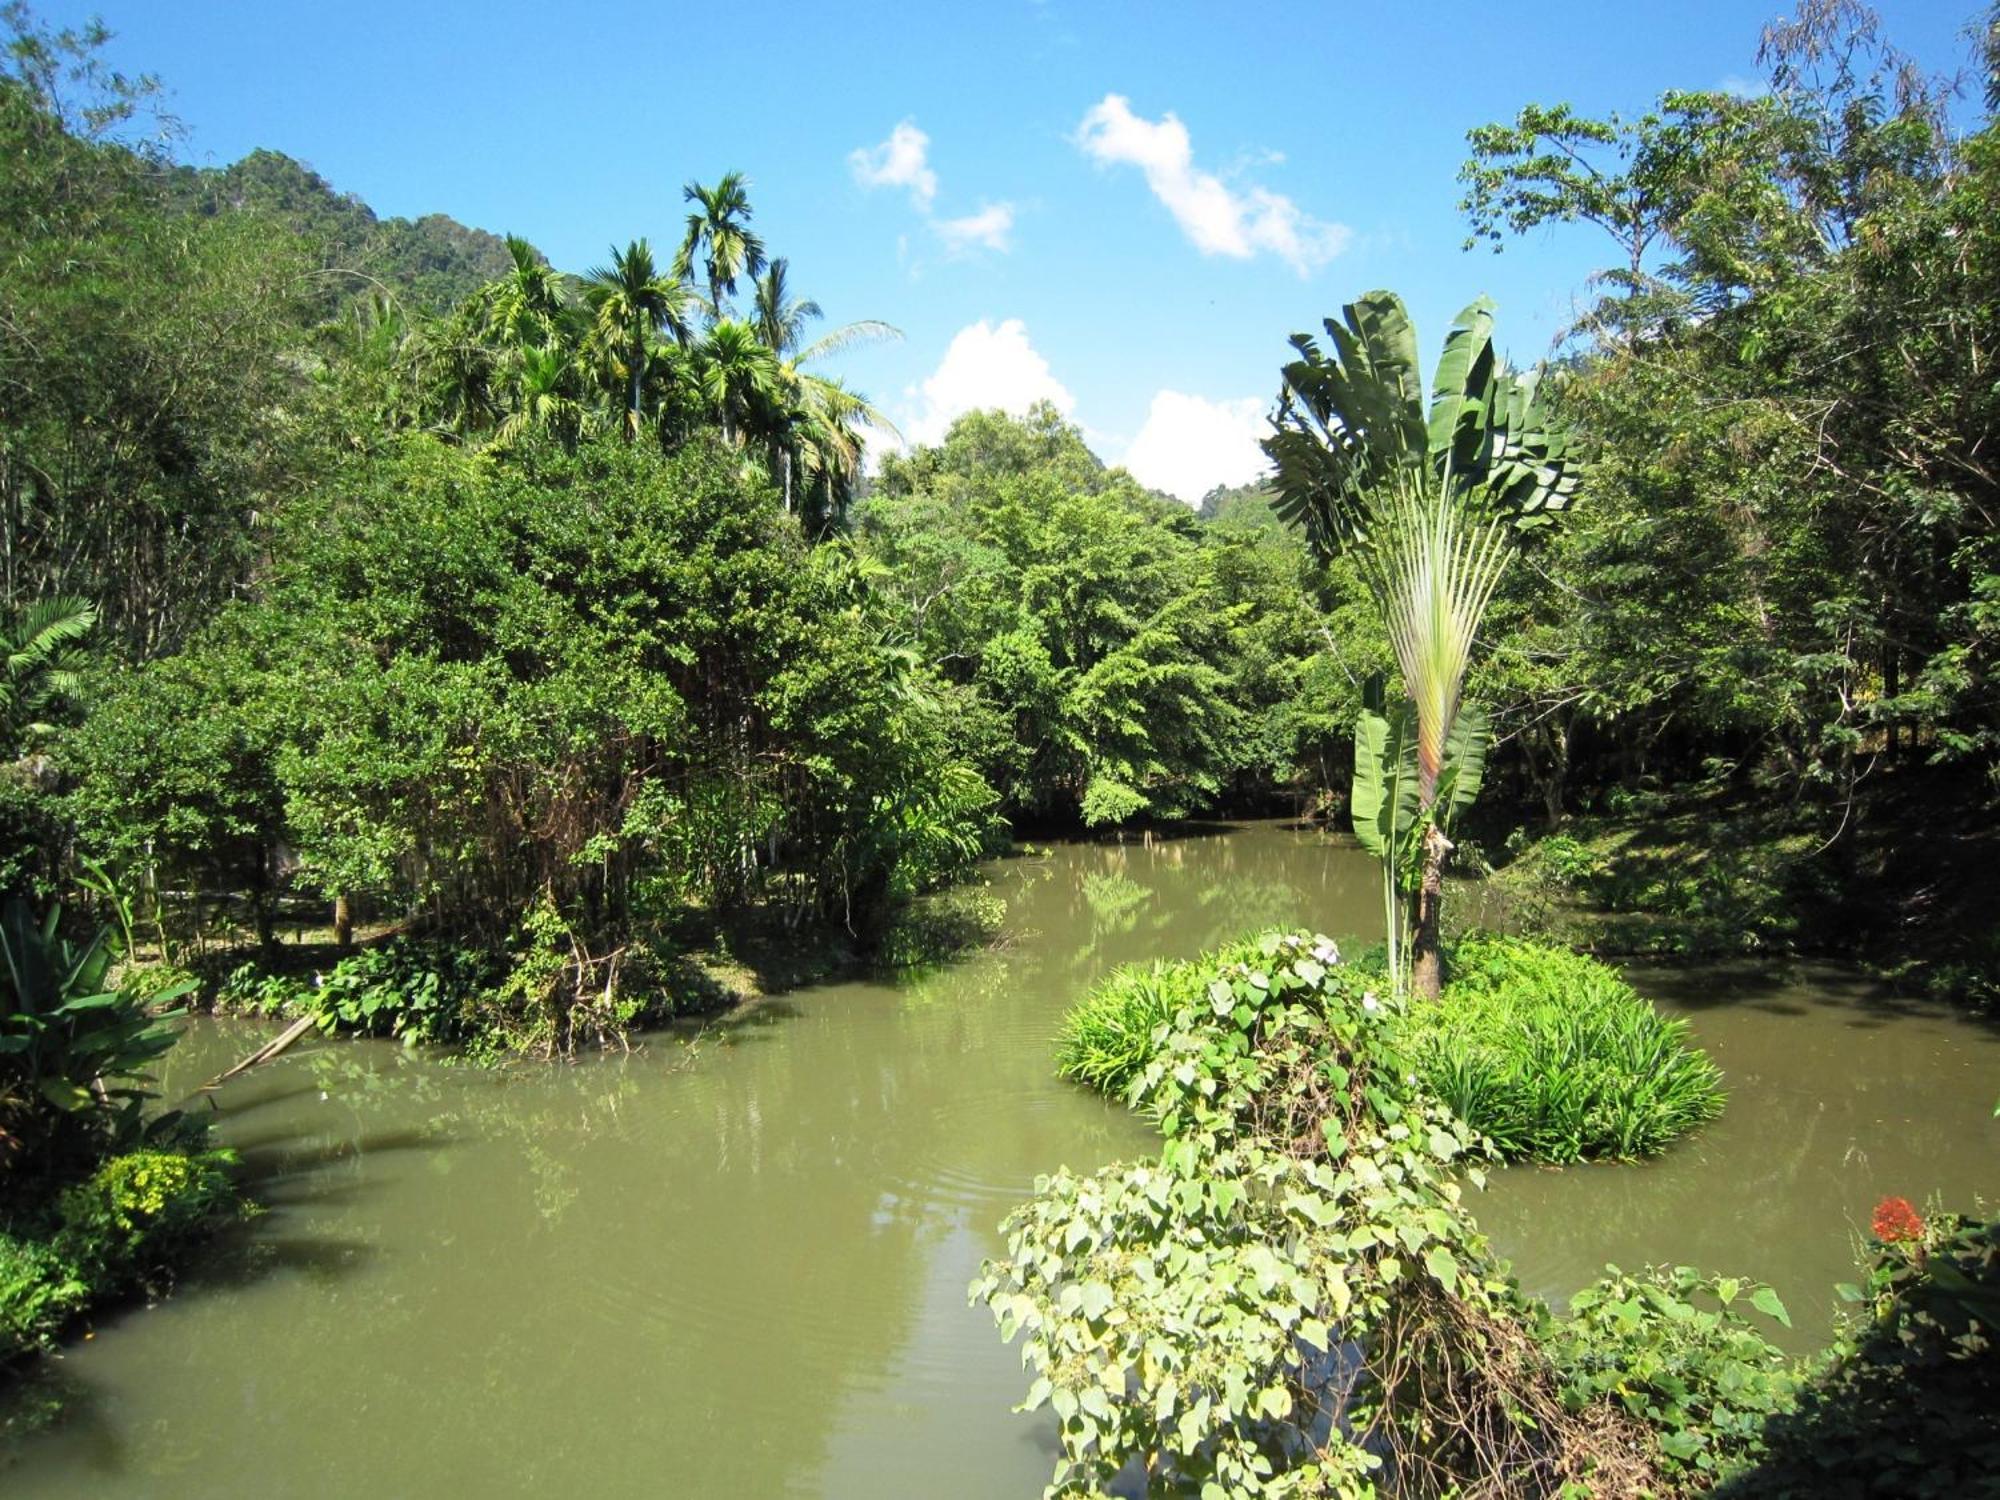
x: 1432, y: 507
x: 821, y: 455
x: 40, y: 665
x: 632, y: 303
x: 525, y: 305
x: 719, y: 238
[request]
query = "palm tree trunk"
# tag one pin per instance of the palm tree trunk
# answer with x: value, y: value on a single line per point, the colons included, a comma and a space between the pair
x: 1426, y: 951
x: 638, y: 361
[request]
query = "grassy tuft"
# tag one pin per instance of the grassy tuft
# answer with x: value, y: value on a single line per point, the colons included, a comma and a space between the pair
x: 1557, y: 1058
x: 1107, y: 1039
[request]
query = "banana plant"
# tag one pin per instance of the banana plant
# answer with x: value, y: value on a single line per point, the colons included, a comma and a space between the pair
x: 1432, y: 503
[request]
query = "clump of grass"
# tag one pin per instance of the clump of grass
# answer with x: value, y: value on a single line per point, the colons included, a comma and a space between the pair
x: 1107, y: 1039
x: 1556, y: 1058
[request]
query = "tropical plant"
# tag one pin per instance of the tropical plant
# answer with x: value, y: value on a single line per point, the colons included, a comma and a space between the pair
x: 720, y: 239
x: 631, y: 303
x: 73, y: 1047
x: 1430, y: 506
x: 526, y: 305
x: 40, y: 666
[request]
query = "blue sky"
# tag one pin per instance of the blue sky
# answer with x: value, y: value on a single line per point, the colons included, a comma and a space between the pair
x: 1124, y: 206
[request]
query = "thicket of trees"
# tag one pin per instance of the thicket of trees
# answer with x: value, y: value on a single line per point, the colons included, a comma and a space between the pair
x: 463, y: 587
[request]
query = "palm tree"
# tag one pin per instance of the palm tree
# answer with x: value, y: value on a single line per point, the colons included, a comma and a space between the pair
x: 39, y: 666
x: 779, y: 318
x: 822, y: 453
x: 525, y: 305
x: 1432, y: 507
x: 718, y: 231
x: 545, y: 397
x: 632, y: 302
x: 739, y: 378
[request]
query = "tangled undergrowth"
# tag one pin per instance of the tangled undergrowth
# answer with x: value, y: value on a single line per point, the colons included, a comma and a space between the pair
x: 1294, y: 1300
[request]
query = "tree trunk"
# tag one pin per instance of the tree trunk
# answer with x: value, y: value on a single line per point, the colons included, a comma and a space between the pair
x: 1426, y: 959
x: 343, y: 923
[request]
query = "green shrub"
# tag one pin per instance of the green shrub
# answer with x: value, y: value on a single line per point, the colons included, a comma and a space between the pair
x: 1293, y: 1301
x: 1910, y: 1396
x: 115, y: 1232
x: 1555, y: 1058
x: 1107, y: 1039
x: 419, y: 989
x: 1673, y: 1349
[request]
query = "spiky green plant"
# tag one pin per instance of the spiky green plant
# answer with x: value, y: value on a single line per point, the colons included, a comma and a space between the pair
x: 1431, y: 504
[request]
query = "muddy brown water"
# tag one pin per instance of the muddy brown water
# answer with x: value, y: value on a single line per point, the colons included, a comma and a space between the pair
x: 736, y: 1265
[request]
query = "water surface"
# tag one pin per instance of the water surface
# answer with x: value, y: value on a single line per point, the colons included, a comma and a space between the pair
x: 738, y: 1267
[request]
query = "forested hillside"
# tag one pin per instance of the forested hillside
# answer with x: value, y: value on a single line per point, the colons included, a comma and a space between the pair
x: 431, y: 263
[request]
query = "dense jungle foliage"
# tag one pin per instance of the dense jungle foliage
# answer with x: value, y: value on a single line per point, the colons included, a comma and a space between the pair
x: 509, y: 627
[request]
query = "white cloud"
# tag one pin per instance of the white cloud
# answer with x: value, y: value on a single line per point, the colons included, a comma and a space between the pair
x: 1216, y: 217
x: 987, y: 365
x: 989, y: 227
x: 903, y: 161
x: 1190, y: 444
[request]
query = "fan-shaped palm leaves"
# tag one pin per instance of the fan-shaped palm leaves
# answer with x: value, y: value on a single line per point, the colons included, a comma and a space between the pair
x: 1431, y: 505
x: 632, y: 303
x: 719, y: 238
x: 40, y: 665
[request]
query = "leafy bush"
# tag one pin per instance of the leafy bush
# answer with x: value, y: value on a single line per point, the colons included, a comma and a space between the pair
x: 1293, y: 1301
x: 1673, y: 1350
x: 1907, y: 1404
x: 415, y: 988
x: 1110, y: 1035
x: 111, y: 1234
x: 1555, y: 1058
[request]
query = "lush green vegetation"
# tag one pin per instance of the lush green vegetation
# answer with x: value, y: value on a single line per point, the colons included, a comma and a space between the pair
x: 1548, y: 1054
x: 1554, y: 1058
x: 518, y: 630
x: 1295, y: 1300
x: 120, y: 1230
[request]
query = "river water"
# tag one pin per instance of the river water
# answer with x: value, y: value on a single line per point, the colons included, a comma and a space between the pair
x: 734, y: 1263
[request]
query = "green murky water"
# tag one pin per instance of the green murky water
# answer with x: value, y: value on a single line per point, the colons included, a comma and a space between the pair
x: 737, y: 1268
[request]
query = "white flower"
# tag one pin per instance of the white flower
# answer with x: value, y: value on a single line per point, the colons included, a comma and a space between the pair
x: 1369, y: 1002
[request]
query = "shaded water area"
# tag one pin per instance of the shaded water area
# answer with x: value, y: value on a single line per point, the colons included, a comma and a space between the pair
x: 736, y: 1266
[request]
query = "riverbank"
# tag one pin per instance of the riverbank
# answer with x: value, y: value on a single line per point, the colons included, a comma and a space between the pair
x: 1716, y: 874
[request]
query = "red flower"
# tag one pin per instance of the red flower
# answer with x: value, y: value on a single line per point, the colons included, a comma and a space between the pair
x: 1896, y: 1221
